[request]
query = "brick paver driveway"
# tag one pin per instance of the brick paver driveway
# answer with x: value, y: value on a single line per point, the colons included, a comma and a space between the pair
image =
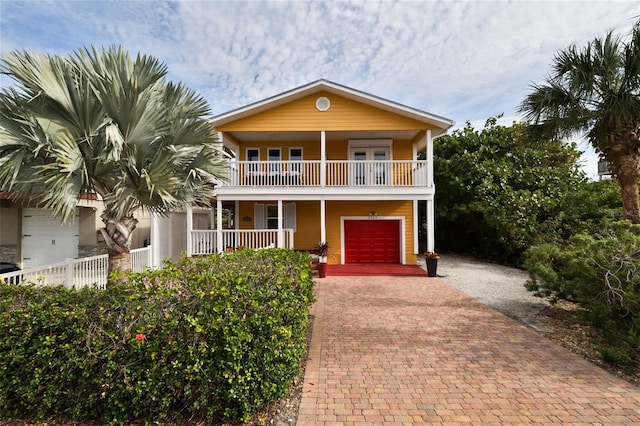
x: 413, y: 350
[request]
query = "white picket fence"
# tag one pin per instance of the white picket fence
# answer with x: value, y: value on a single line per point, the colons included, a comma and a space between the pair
x: 78, y: 273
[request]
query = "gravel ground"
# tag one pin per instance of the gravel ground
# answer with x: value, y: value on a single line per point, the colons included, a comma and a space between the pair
x: 500, y: 287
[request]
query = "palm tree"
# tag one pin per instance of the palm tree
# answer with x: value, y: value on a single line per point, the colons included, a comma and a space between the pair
x: 596, y: 89
x: 98, y: 121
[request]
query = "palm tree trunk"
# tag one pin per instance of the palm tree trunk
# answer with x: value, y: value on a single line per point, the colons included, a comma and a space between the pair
x: 117, y: 235
x: 628, y: 174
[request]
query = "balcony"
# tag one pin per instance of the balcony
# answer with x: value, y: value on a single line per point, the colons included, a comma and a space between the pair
x: 330, y: 173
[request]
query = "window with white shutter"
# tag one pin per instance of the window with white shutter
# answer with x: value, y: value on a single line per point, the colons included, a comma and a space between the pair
x: 259, y: 216
x: 290, y: 216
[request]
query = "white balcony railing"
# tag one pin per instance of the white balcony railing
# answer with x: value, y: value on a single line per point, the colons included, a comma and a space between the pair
x: 206, y: 241
x: 78, y: 273
x: 336, y: 173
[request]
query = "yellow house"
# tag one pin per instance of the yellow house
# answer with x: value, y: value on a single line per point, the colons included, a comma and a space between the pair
x: 324, y: 162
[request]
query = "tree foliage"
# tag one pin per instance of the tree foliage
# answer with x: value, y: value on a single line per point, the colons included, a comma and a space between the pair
x: 100, y: 121
x: 497, y: 190
x: 596, y: 88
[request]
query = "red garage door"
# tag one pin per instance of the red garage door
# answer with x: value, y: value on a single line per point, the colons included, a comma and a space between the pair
x: 372, y: 241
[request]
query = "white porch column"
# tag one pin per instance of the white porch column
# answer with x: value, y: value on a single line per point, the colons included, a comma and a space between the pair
x: 323, y: 225
x: 189, y: 231
x: 416, y: 225
x: 154, y: 237
x: 323, y: 159
x: 431, y: 241
x: 212, y: 218
x: 429, y: 159
x: 219, y: 226
x: 280, y: 225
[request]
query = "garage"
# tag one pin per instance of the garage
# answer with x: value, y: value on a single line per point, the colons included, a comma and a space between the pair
x: 45, y: 240
x: 372, y: 241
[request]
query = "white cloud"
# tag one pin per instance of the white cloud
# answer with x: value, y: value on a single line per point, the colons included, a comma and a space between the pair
x: 461, y: 60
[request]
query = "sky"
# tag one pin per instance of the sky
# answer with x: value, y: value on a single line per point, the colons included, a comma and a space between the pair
x: 463, y: 60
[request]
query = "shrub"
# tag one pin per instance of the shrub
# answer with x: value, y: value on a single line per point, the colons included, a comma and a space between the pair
x: 211, y: 338
x: 600, y: 271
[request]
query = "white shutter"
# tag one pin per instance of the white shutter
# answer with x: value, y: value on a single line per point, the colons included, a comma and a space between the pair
x: 259, y: 213
x: 290, y: 216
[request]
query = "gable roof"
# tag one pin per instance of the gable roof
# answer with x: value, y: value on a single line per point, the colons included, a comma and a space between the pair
x: 340, y: 90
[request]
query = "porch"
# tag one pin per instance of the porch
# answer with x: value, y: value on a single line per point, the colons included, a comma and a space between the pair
x: 203, y: 242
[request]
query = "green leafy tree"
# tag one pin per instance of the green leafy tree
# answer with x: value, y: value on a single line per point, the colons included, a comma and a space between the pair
x: 596, y: 89
x: 100, y: 121
x: 498, y: 190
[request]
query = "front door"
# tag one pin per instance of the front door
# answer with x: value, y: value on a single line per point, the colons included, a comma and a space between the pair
x: 374, y: 167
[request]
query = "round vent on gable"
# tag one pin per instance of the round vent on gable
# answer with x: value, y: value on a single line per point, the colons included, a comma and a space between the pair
x: 323, y: 104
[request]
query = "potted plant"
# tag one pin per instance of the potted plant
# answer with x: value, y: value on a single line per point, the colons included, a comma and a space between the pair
x: 322, y: 248
x: 431, y: 258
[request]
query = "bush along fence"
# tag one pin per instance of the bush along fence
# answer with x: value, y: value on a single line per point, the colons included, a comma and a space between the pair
x: 209, y: 339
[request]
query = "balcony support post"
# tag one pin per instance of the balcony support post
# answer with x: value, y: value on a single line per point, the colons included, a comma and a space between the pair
x: 431, y: 241
x: 323, y: 225
x: 416, y: 225
x: 154, y: 240
x: 219, y: 247
x: 323, y: 159
x: 429, y: 159
x: 189, y: 231
x: 280, y: 224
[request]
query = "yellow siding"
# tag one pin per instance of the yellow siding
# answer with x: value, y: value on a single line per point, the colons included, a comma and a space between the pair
x: 308, y: 222
x: 302, y: 115
x: 402, y: 150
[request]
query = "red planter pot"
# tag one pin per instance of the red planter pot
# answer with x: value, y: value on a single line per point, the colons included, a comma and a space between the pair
x: 322, y: 270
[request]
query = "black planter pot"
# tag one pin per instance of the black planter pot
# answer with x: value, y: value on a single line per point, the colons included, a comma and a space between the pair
x: 432, y: 267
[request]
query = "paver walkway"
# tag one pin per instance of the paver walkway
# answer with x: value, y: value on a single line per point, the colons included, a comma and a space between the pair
x: 414, y: 350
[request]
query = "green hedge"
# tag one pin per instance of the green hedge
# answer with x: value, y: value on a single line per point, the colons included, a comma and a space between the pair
x: 211, y: 339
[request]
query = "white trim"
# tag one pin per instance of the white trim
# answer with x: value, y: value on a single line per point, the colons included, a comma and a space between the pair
x: 323, y: 220
x: 189, y: 229
x: 219, y: 225
x: 402, y: 219
x: 416, y: 244
x: 323, y: 158
x: 323, y: 104
x: 280, y: 224
x: 429, y: 159
x: 431, y: 241
x: 364, y: 193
